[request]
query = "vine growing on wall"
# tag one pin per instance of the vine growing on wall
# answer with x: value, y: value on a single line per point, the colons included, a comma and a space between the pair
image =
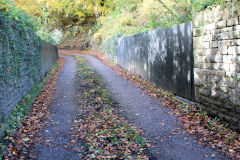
x: 20, y: 51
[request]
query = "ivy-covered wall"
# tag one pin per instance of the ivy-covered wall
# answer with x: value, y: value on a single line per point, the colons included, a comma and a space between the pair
x: 20, y: 62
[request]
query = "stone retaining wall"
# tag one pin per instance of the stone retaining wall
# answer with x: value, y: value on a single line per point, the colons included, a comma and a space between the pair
x: 217, y: 62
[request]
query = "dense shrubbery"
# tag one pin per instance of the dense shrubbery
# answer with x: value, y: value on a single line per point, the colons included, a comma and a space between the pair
x: 9, y: 9
x: 109, y: 47
x: 111, y: 17
x: 134, y: 16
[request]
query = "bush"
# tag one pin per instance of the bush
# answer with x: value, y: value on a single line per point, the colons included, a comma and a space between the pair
x: 198, y: 5
x: 109, y: 47
x: 10, y: 10
x: 46, y: 36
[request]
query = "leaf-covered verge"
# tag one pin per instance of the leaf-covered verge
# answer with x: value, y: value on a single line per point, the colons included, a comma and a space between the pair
x: 104, y: 133
x: 210, y: 131
x: 27, y: 119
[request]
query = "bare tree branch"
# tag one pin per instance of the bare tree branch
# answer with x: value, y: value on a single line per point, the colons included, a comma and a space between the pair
x: 165, y: 6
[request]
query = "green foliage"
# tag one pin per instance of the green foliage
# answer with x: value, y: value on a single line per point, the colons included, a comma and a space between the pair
x: 231, y: 139
x: 138, y: 138
x: 136, y: 16
x: 7, y: 8
x: 46, y: 36
x: 110, y: 17
x: 109, y: 46
x: 198, y: 5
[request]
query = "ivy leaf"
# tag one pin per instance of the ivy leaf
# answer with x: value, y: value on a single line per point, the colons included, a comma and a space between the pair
x: 26, y: 139
x: 16, y: 17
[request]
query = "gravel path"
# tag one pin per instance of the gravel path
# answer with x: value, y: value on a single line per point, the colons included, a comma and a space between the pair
x: 160, y: 126
x: 57, y: 135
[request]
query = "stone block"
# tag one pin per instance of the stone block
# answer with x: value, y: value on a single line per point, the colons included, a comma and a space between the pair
x: 231, y: 83
x: 197, y: 42
x: 211, y: 100
x: 210, y: 26
x: 201, y: 59
x: 207, y: 66
x: 223, y: 50
x: 215, y: 59
x: 214, y: 93
x: 212, y: 51
x: 236, y: 34
x: 228, y: 59
x: 199, y: 52
x: 197, y: 65
x: 238, y: 59
x: 230, y: 74
x: 207, y: 38
x: 220, y: 73
x: 235, y: 120
x: 235, y: 42
x: 234, y: 50
x: 224, y: 89
x: 237, y: 27
x: 228, y: 29
x: 224, y: 35
x: 217, y: 66
x: 228, y: 106
x: 223, y: 96
x: 214, y: 44
x: 234, y: 100
x: 214, y: 78
x: 205, y: 45
x: 238, y: 109
x: 221, y: 24
x: 215, y: 31
x: 215, y: 72
x: 234, y: 68
x: 232, y: 22
x: 227, y: 118
x: 227, y: 12
x: 204, y: 91
x: 234, y: 93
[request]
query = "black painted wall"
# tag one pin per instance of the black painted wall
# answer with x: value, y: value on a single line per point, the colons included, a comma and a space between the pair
x: 49, y: 56
x: 163, y: 56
